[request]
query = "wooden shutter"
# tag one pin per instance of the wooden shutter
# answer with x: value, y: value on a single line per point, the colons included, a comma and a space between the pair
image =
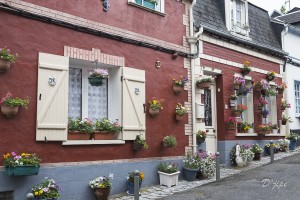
x: 250, y: 111
x: 52, y: 101
x: 134, y: 118
x: 273, y: 113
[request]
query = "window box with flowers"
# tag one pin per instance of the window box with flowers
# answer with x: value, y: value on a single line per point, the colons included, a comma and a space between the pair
x: 271, y: 76
x: 280, y: 88
x: 257, y: 151
x: 21, y: 165
x: 178, y: 85
x: 168, y: 174
x: 201, y: 136
x: 284, y: 104
x: 190, y: 167
x: 106, y: 130
x: 245, y: 127
x: 130, y: 180
x: 47, y: 189
x: 205, y: 82
x: 264, y: 129
x: 286, y: 119
x: 101, y: 187
x: 80, y: 129
x: 154, y: 107
x: 139, y: 143
x: 238, y: 82
x: 10, y: 106
x: 231, y: 123
x: 261, y: 103
x: 233, y: 100
x: 6, y: 59
x: 97, y: 76
x: 180, y: 111
x: 246, y: 68
x: 239, y: 110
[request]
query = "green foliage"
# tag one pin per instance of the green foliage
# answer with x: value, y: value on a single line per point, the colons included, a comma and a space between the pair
x: 13, y: 102
x: 168, y: 167
x: 292, y: 136
x: 256, y: 149
x: 191, y: 161
x: 131, y: 175
x: 84, y: 126
x: 141, y: 142
x: 25, y: 159
x: 47, y: 189
x: 6, y: 56
x: 107, y: 126
x: 170, y: 141
x: 100, y: 182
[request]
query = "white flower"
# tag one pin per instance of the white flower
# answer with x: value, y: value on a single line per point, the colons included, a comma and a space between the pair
x: 111, y: 175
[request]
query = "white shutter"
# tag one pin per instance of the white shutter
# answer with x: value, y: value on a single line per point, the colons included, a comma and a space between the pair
x: 134, y: 118
x: 52, y: 101
x: 274, y: 110
x: 250, y: 111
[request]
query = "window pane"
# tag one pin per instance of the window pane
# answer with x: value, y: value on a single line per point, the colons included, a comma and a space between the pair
x: 97, y: 100
x: 75, y: 93
x: 207, y: 107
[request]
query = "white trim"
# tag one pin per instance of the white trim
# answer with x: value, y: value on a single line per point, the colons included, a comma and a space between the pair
x: 274, y: 135
x: 92, y: 142
x: 246, y: 134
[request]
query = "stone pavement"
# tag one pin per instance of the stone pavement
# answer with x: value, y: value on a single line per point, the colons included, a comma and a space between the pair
x: 158, y: 191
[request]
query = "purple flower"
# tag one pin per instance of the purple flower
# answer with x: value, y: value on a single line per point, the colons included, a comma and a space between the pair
x: 13, y: 154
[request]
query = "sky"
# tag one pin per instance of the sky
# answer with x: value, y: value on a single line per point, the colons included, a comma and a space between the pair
x: 270, y: 5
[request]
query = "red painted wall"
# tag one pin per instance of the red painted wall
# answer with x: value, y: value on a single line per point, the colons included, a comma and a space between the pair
x: 28, y: 37
x: 125, y: 16
x: 225, y: 82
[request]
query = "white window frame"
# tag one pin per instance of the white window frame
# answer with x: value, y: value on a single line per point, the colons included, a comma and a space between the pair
x: 233, y: 26
x: 159, y: 8
x: 297, y: 98
x: 272, y: 107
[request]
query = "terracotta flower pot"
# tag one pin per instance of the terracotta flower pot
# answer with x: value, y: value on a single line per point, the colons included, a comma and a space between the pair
x: 177, y: 88
x: 76, y: 135
x: 9, y: 111
x: 102, y: 193
x: 4, y: 66
x: 153, y: 112
x: 204, y: 85
x: 179, y: 117
x: 103, y: 135
x: 231, y: 126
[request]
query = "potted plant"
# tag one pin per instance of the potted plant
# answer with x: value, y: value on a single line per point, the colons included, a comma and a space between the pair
x: 261, y: 86
x: 264, y: 129
x: 286, y: 119
x: 178, y: 85
x: 239, y: 110
x: 154, y: 106
x: 21, y: 165
x: 233, y: 100
x: 231, y: 123
x: 267, y: 149
x: 207, y: 164
x: 271, y: 92
x: 106, y: 130
x: 243, y: 126
x: 6, y: 59
x: 283, y: 145
x: 139, y: 143
x: 257, y: 151
x: 190, y: 167
x: 205, y: 82
x: 130, y: 180
x: 10, y: 106
x: 265, y: 113
x: 238, y: 82
x: 246, y: 68
x: 47, y: 189
x: 241, y: 155
x: 80, y: 129
x: 275, y: 128
x: 169, y: 141
x: 293, y: 137
x: 201, y: 135
x: 180, y: 111
x: 168, y: 174
x: 245, y: 90
x: 261, y: 103
x: 271, y: 76
x: 284, y: 104
x: 96, y: 76
x: 280, y: 88
x: 101, y: 187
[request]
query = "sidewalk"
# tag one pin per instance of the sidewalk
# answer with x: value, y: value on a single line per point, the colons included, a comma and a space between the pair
x: 158, y: 192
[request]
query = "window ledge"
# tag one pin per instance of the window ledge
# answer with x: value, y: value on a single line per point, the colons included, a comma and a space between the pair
x: 276, y: 135
x: 245, y: 134
x: 92, y: 142
x: 148, y: 9
x: 241, y: 36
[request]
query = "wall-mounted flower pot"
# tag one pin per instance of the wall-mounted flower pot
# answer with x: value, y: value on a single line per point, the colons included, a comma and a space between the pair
x: 153, y: 112
x: 237, y: 114
x: 233, y: 103
x: 22, y: 170
x: 9, y: 111
x: 102, y: 193
x: 283, y: 122
x: 282, y: 108
x: 280, y: 91
x: 204, y: 85
x: 179, y: 117
x: 264, y: 116
x: 270, y: 78
x: 95, y: 81
x: 200, y: 140
x: 246, y: 71
x: 4, y: 66
x: 76, y: 135
x: 103, y: 136
x: 263, y: 92
x: 177, y: 88
x: 260, y: 107
x: 231, y: 126
x: 236, y: 86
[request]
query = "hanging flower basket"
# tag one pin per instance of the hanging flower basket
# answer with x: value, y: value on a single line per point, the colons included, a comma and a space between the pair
x: 97, y: 76
x: 177, y: 88
x: 280, y: 90
x: 9, y: 111
x: 204, y: 85
x: 22, y: 170
x: 283, y: 122
x: 231, y: 126
x: 260, y: 107
x: 271, y: 76
x: 4, y: 66
x: 153, y: 112
x: 237, y: 114
x: 95, y: 81
x: 179, y: 117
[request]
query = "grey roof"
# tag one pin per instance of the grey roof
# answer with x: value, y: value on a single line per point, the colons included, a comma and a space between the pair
x: 290, y: 18
x: 293, y: 10
x: 210, y: 14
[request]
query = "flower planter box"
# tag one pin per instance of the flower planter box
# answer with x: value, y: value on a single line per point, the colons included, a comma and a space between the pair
x: 9, y: 111
x: 95, y: 81
x: 177, y: 88
x: 190, y: 174
x: 204, y: 85
x: 4, y: 66
x: 76, y: 135
x: 102, y: 193
x: 22, y: 170
x: 153, y: 112
x: 103, y: 136
x: 168, y: 180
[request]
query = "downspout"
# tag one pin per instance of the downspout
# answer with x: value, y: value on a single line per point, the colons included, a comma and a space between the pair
x: 284, y: 75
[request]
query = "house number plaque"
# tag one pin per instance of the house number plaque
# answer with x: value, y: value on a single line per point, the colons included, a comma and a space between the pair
x: 52, y: 81
x: 137, y: 91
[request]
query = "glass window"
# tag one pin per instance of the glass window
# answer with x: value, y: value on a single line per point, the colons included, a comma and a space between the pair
x: 247, y: 100
x: 272, y: 108
x: 297, y: 98
x: 151, y: 4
